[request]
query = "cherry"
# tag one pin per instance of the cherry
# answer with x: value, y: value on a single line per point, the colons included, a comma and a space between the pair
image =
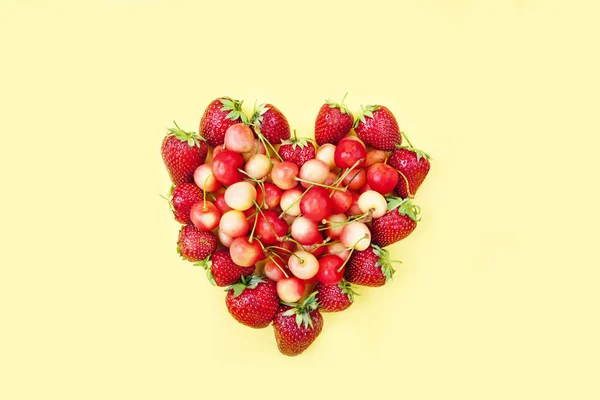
x: 284, y: 174
x: 290, y: 202
x: 375, y: 156
x: 306, y: 231
x: 356, y: 235
x: 372, y: 202
x: 326, y: 154
x: 354, y: 208
x: 270, y: 228
x: 234, y: 223
x: 225, y: 167
x: 221, y: 204
x: 272, y: 196
x: 245, y: 253
x: 275, y: 271
x: 330, y: 270
x: 205, y: 180
x: 348, y: 152
x: 205, y: 215
x: 382, y: 178
x: 316, y: 204
x: 341, y: 200
x: 290, y: 289
x: 239, y: 138
x: 355, y: 179
x: 240, y: 196
x: 335, y: 224
x: 303, y: 265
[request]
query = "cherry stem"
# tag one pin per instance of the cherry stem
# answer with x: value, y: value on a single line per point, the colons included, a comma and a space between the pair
x: 265, y: 142
x: 279, y: 248
x: 294, y: 203
x: 263, y: 215
x: 341, y: 178
x: 319, y: 184
x: 253, y: 229
x: 407, y: 139
x: 351, y: 251
x: 408, y: 193
x: 279, y: 266
x: 204, y: 208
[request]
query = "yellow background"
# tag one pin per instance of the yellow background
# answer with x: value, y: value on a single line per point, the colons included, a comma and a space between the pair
x: 498, y: 294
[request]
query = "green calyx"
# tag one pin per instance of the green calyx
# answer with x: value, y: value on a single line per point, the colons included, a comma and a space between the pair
x: 302, y: 311
x: 384, y: 262
x: 420, y: 153
x: 295, y: 141
x: 250, y: 282
x: 365, y: 112
x: 235, y: 109
x: 347, y: 289
x: 405, y: 207
x: 341, y: 106
x: 207, y: 264
x: 192, y: 138
x: 257, y: 115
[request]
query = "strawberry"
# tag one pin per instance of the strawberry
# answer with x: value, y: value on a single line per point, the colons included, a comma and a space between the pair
x: 181, y: 200
x: 253, y: 301
x: 182, y: 153
x: 334, y: 298
x: 270, y: 124
x: 220, y: 114
x: 297, y: 150
x: 221, y: 270
x: 370, y: 267
x: 296, y: 325
x: 378, y: 128
x: 412, y: 166
x: 195, y: 245
x: 333, y: 122
x: 399, y: 222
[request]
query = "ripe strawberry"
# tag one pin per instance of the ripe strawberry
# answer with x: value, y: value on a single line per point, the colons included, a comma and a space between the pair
x: 297, y: 150
x: 221, y: 270
x: 412, y: 166
x: 333, y: 298
x: 182, y: 153
x: 181, y: 200
x: 296, y: 326
x: 195, y: 245
x: 400, y: 220
x: 370, y: 267
x: 271, y: 123
x: 220, y: 114
x: 378, y: 128
x: 333, y: 122
x: 253, y: 301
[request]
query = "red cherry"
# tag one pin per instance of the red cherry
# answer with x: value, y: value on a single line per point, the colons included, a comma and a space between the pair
x: 328, y: 270
x: 270, y: 228
x: 225, y: 167
x: 341, y: 201
x: 272, y: 196
x: 382, y: 178
x: 316, y: 204
x: 348, y: 152
x: 221, y: 204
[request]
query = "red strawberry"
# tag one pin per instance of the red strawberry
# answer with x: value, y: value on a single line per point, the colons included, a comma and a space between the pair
x: 296, y: 326
x: 271, y: 123
x: 370, y: 267
x: 412, y: 166
x: 333, y: 122
x: 182, y: 198
x: 378, y: 128
x: 182, y: 153
x: 400, y: 220
x: 253, y: 301
x: 297, y: 150
x: 220, y: 114
x: 334, y: 298
x: 221, y: 270
x: 195, y: 245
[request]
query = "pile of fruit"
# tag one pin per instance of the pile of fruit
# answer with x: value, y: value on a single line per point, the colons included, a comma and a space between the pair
x: 287, y: 224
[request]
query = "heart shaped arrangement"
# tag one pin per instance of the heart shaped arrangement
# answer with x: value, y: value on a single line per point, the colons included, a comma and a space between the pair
x: 287, y: 224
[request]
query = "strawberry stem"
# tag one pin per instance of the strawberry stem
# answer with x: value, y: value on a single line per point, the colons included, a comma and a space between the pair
x: 407, y: 139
